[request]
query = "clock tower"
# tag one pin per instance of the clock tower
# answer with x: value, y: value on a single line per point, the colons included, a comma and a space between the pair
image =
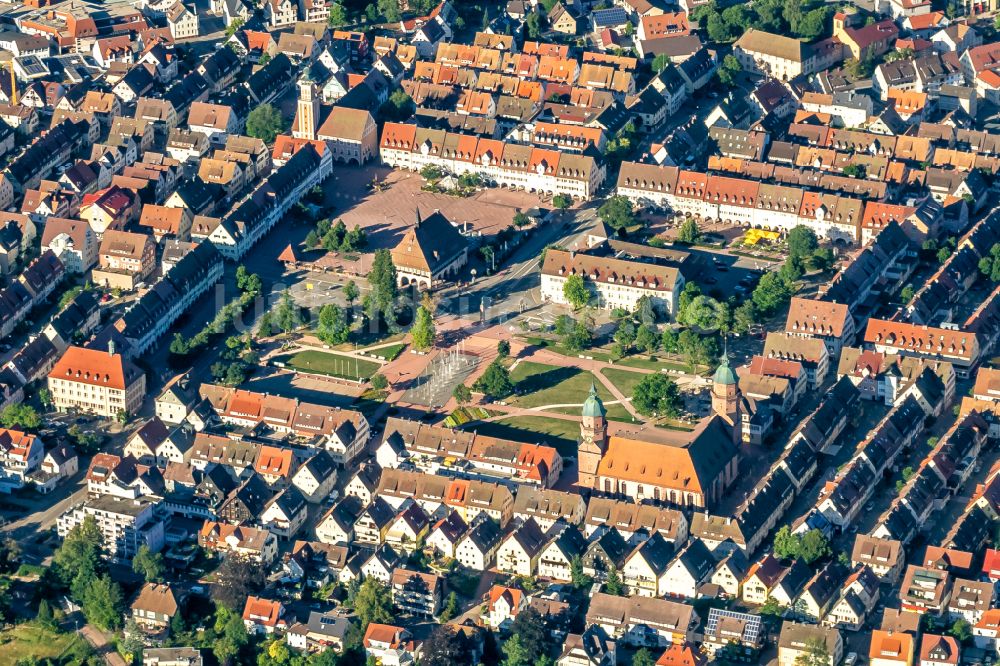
x: 593, y: 439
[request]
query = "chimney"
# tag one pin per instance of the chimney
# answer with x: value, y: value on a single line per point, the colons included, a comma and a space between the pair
x: 111, y: 347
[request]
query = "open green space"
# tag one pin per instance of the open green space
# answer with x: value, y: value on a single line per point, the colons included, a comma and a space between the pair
x: 31, y: 642
x: 624, y: 380
x: 656, y: 363
x: 558, y: 433
x: 597, y: 353
x: 327, y: 363
x: 386, y: 353
x: 539, y: 384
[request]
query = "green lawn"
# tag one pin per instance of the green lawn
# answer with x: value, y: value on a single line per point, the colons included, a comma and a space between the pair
x: 559, y: 433
x: 29, y: 641
x: 334, y: 365
x: 597, y: 353
x: 540, y: 384
x: 386, y: 353
x: 656, y: 363
x: 624, y: 380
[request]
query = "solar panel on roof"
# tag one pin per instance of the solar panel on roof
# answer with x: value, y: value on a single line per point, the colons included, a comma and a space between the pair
x: 612, y: 16
x: 752, y: 630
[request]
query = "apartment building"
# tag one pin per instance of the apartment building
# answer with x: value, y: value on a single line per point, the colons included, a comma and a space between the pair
x: 126, y: 524
x: 742, y: 201
x: 615, y: 283
x: 504, y: 164
x: 96, y: 381
x: 150, y: 317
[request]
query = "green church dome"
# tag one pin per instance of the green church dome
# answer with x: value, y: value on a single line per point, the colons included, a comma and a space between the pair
x: 593, y: 406
x: 724, y: 374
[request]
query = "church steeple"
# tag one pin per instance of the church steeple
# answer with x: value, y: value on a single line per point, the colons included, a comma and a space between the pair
x: 593, y: 439
x: 726, y: 397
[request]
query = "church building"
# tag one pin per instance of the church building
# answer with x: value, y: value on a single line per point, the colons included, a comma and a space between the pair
x: 657, y: 466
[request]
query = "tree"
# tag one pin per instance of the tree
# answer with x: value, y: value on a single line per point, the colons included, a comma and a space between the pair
x: 515, y: 653
x: 373, y: 603
x: 265, y: 326
x: 103, y: 603
x: 906, y: 294
x: 642, y: 657
x: 693, y: 349
x: 351, y: 293
x: 148, y: 564
x: 45, y: 397
x: 381, y: 299
x: 287, y: 316
x: 535, y: 25
x: 423, y: 330
x: 579, y: 579
x: 645, y: 312
x: 771, y: 608
x: 237, y: 578
x: 814, y: 546
x: 688, y: 233
x: 702, y: 312
x: 656, y: 393
x: 899, y: 54
x: 576, y: 292
x: 564, y: 324
x: 771, y: 293
x: 20, y: 416
x: 786, y: 544
x: 646, y: 339
x: 617, y: 213
x: 131, y: 643
x: 398, y: 107
x: 233, y: 27
x: 44, y: 616
x: 530, y: 631
x: 809, y: 547
x: 668, y: 341
x: 815, y: 654
x: 462, y: 394
x: 802, y: 242
x: 854, y: 170
x: 660, y: 63
x: 859, y: 69
x: 446, y: 646
x: 625, y: 333
x: 495, y: 382
x: 821, y: 260
x: 379, y: 382
x: 265, y: 123
x: 562, y: 201
x: 338, y: 15
x: 332, y: 328
x: 78, y: 558
x: 961, y: 631
x: 231, y: 635
x: 503, y: 349
x: 744, y: 317
x: 943, y: 254
x: 990, y: 264
x: 450, y: 609
x: 728, y: 70
x: 614, y: 585
x: 580, y: 337
x: 389, y: 9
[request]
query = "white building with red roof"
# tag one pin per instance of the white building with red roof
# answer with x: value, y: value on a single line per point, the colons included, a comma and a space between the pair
x: 96, y: 381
